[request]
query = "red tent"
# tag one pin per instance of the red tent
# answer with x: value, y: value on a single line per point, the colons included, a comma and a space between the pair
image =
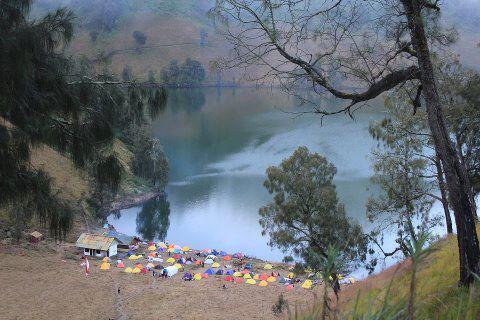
x: 205, y: 276
x: 227, y: 258
x: 290, y: 287
x: 238, y: 280
x: 143, y: 271
x: 228, y: 278
x: 245, y: 271
x: 176, y: 256
x: 263, y: 277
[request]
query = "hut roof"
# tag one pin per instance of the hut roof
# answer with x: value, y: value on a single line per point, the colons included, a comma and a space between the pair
x: 95, y: 241
x: 36, y: 234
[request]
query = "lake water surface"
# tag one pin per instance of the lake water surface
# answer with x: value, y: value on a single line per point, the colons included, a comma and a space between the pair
x: 220, y: 142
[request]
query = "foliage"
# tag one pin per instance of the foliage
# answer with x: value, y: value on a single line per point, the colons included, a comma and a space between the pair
x: 105, y: 15
x: 189, y: 73
x: 305, y: 214
x: 280, y: 305
x: 400, y: 168
x: 127, y: 73
x: 149, y: 160
x: 45, y: 98
x: 139, y: 37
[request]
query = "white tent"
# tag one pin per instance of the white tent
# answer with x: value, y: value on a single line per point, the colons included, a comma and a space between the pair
x: 211, y: 256
x: 171, y: 271
x: 208, y: 261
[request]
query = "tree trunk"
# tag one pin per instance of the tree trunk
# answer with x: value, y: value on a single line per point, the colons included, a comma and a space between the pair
x: 455, y: 173
x: 443, y: 193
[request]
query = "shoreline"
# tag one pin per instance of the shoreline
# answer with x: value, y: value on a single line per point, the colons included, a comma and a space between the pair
x: 130, y: 201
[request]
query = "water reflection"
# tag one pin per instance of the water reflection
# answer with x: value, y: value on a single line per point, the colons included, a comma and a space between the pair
x: 189, y: 100
x: 153, y: 220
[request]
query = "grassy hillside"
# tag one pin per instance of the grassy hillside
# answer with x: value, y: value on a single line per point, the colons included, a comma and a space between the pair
x: 438, y: 295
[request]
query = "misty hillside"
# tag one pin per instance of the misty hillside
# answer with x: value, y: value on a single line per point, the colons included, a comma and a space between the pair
x: 180, y: 29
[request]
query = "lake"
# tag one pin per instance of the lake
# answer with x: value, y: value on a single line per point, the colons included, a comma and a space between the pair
x: 219, y: 143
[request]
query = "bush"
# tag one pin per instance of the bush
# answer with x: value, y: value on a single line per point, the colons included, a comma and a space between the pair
x: 139, y: 37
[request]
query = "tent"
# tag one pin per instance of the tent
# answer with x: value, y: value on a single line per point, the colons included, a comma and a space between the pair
x: 290, y: 287
x: 170, y: 260
x: 198, y: 262
x: 157, y: 259
x: 136, y: 270
x: 351, y: 280
x: 223, y: 253
x: 171, y: 271
x: 177, y: 251
x: 227, y: 258
x: 209, y: 261
x: 228, y: 278
x: 237, y: 274
x: 307, y: 284
x: 178, y: 266
x: 143, y: 271
x: 215, y: 265
x: 185, y: 249
x: 245, y: 271
x: 230, y: 272
x: 211, y: 256
x: 197, y: 276
x: 187, y: 276
x: 152, y: 248
x: 238, y: 280
x: 133, y: 257
x: 247, y: 276
x: 128, y: 270
x: 251, y: 281
x: 263, y: 277
x: 150, y: 265
x: 139, y: 266
x: 271, y: 279
x: 158, y: 267
x: 291, y: 275
x: 249, y: 266
x: 209, y: 272
x: 219, y: 272
x: 255, y: 277
x: 263, y: 283
x: 105, y: 266
x: 120, y: 264
x: 238, y: 255
x: 177, y: 247
x: 282, y: 280
x: 151, y: 254
x: 204, y: 275
x: 162, y: 245
x: 268, y: 267
x: 206, y: 250
x: 106, y: 259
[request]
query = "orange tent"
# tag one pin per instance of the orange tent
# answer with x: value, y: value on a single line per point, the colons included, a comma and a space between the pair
x: 139, y: 266
x: 289, y: 287
x: 238, y: 280
x: 227, y: 258
x: 198, y: 262
x: 205, y: 276
x: 263, y: 277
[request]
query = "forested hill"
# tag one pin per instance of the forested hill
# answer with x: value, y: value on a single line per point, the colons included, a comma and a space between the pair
x: 173, y: 29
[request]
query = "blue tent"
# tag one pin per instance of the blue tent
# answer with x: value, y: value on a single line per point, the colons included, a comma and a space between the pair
x: 230, y: 272
x: 215, y: 252
x: 158, y: 267
x: 223, y: 253
x: 219, y: 272
x: 187, y: 276
x: 209, y: 272
x: 177, y: 251
x: 248, y: 266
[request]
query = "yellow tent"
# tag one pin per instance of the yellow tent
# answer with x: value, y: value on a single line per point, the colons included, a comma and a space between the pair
x: 255, y: 277
x: 132, y: 257
x: 237, y: 274
x: 271, y: 279
x: 162, y: 245
x: 251, y: 281
x: 263, y: 283
x: 105, y: 266
x: 340, y: 277
x: 105, y: 259
x: 197, y: 276
x: 170, y: 260
x: 247, y: 276
x: 185, y: 249
x: 291, y: 275
x: 268, y: 267
x: 152, y: 248
x: 215, y: 265
x: 307, y: 284
x: 351, y: 280
x: 170, y: 250
x: 128, y: 270
x: 136, y: 270
x: 178, y: 266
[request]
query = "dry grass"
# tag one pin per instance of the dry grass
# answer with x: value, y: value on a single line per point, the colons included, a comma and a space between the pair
x: 44, y: 284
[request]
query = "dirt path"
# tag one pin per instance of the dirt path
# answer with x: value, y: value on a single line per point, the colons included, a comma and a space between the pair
x: 118, y: 304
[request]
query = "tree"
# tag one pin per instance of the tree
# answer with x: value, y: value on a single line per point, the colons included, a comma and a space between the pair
x: 149, y: 160
x: 346, y: 38
x: 400, y: 169
x: 305, y: 215
x: 127, y: 74
x: 189, y: 73
x: 139, y: 37
x: 151, y: 77
x: 46, y: 98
